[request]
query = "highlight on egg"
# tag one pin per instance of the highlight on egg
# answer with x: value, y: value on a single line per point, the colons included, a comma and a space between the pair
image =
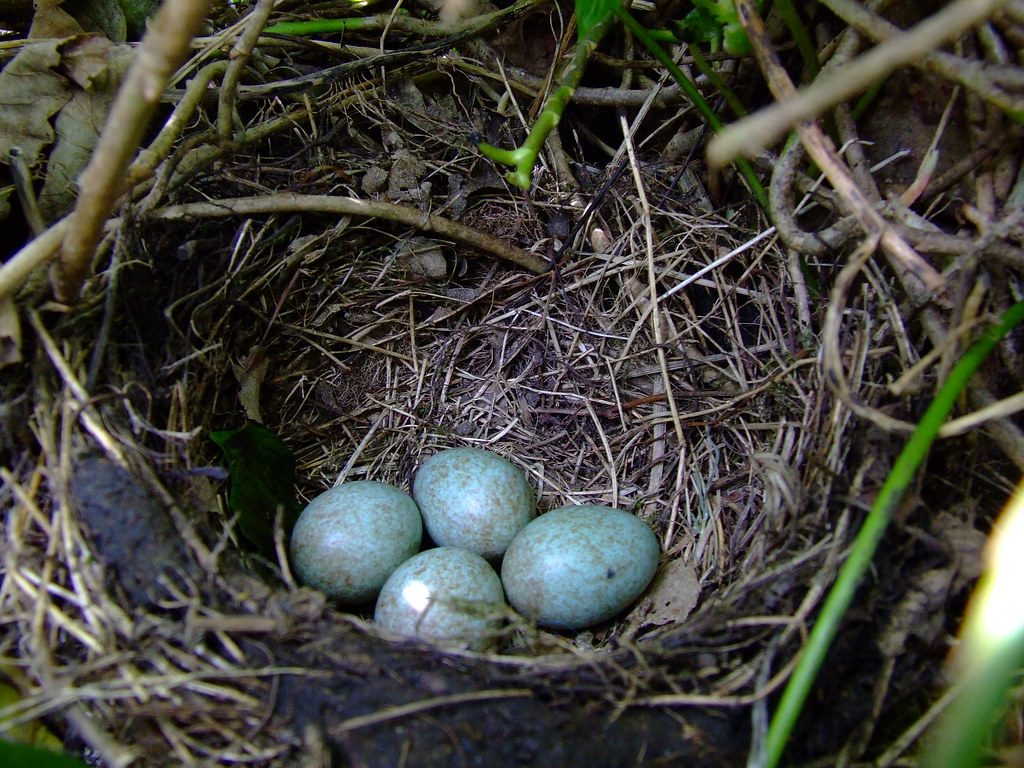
x: 349, y: 539
x: 447, y: 595
x: 473, y: 499
x: 578, y: 566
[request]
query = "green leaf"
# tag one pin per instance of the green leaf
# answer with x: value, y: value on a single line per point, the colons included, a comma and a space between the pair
x: 261, y: 470
x: 735, y: 40
x: 26, y: 756
x: 716, y: 23
x: 34, y: 732
x: 590, y: 13
x: 701, y: 26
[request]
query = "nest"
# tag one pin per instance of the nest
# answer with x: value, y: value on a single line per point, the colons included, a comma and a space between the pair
x: 674, y: 363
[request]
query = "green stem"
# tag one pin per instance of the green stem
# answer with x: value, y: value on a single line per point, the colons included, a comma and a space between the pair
x: 808, y: 51
x: 325, y: 26
x: 688, y: 88
x: 716, y: 80
x: 870, y: 534
x: 524, y: 157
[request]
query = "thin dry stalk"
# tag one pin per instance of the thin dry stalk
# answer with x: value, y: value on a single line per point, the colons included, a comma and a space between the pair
x: 102, y: 182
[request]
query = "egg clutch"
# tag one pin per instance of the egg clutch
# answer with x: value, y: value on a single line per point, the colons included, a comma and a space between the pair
x: 570, y: 568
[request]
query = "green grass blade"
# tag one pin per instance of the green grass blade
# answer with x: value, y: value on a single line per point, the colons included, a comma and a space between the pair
x: 802, y: 36
x: 900, y: 477
x: 591, y: 13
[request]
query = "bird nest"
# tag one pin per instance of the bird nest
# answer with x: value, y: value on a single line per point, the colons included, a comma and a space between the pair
x: 672, y: 361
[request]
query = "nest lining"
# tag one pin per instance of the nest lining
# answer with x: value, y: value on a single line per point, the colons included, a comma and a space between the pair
x: 372, y: 366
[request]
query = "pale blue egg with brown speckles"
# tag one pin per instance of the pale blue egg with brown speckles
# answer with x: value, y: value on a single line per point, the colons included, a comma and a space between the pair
x: 447, y: 595
x: 349, y: 539
x: 473, y: 499
x: 578, y: 566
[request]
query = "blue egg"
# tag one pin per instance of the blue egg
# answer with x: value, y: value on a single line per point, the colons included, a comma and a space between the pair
x: 348, y: 540
x: 473, y: 499
x: 447, y: 595
x: 578, y: 566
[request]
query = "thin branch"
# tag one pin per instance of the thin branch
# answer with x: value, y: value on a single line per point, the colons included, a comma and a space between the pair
x: 913, y: 270
x: 350, y: 206
x: 38, y: 252
x: 970, y: 74
x: 239, y: 57
x: 749, y: 136
x: 165, y: 46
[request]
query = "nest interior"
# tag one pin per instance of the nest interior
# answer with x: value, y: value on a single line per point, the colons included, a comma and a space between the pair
x: 676, y: 363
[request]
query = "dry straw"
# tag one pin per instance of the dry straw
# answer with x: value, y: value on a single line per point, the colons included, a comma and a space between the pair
x: 669, y: 366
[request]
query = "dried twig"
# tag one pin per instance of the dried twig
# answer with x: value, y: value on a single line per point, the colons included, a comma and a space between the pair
x: 350, y: 206
x: 164, y: 47
x: 239, y: 58
x: 749, y: 136
x: 970, y: 74
x: 914, y: 270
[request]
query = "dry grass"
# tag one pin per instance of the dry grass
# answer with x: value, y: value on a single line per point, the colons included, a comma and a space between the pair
x: 670, y: 366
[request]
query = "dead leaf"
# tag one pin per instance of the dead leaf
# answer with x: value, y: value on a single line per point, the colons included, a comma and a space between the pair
x: 52, y: 22
x: 94, y: 63
x: 96, y: 66
x: 669, y: 600
x: 10, y: 332
x: 78, y: 78
x: 422, y: 257
x: 673, y: 595
x: 250, y: 379
x: 31, y: 92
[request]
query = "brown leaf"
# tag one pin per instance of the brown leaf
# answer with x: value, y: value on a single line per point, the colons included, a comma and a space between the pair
x: 94, y: 63
x: 53, y: 22
x: 96, y: 66
x: 31, y: 92
x: 673, y: 595
x: 78, y: 78
x: 669, y: 600
x: 250, y: 379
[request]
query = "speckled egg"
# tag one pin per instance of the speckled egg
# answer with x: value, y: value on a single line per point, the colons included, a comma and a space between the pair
x: 473, y: 499
x: 578, y: 566
x: 351, y: 538
x: 447, y: 595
